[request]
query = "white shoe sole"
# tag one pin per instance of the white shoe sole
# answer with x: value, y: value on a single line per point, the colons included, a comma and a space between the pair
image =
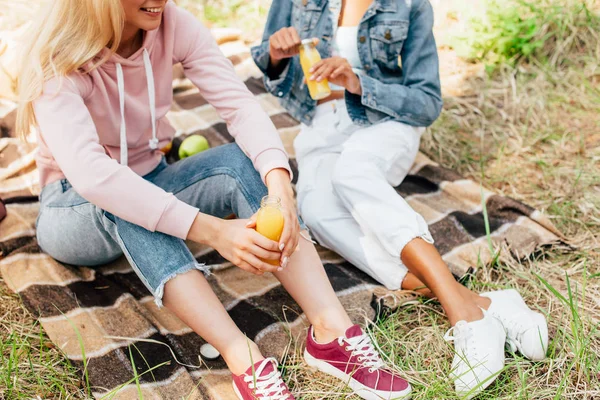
x: 469, y: 394
x: 362, y: 391
x: 237, y: 392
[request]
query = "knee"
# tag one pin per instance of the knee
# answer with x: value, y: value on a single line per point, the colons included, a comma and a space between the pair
x: 241, y: 168
x: 342, y: 175
x: 351, y: 168
x: 234, y: 158
x: 310, y: 210
x: 316, y: 209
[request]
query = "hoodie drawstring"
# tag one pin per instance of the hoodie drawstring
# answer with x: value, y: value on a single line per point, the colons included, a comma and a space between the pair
x: 151, y: 98
x: 153, y: 143
x: 121, y: 86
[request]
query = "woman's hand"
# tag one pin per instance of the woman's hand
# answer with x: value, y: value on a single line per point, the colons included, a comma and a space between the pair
x: 284, y: 43
x: 278, y: 182
x: 236, y: 242
x: 339, y: 72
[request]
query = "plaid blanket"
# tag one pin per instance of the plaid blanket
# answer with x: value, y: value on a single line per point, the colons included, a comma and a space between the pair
x: 105, y: 321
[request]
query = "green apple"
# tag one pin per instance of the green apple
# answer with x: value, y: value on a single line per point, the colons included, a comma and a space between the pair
x: 192, y: 145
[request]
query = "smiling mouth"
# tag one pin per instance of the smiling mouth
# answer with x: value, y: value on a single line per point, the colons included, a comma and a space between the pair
x: 152, y: 10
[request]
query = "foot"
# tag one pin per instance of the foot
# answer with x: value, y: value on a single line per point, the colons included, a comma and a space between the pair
x: 263, y: 383
x: 353, y: 359
x: 479, y: 354
x: 526, y: 330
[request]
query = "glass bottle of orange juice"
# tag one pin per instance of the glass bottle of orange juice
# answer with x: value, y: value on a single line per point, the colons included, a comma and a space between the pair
x: 269, y: 221
x: 309, y: 56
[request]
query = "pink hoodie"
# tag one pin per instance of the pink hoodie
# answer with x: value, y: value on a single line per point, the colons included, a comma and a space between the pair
x: 82, y: 127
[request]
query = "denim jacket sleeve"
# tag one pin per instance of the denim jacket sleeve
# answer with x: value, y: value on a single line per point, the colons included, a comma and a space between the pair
x: 417, y: 100
x: 279, y: 17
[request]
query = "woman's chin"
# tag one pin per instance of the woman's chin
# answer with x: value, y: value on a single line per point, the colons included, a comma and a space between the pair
x: 149, y: 26
x: 148, y: 22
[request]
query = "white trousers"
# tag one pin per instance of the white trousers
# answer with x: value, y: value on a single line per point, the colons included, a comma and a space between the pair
x: 346, y: 192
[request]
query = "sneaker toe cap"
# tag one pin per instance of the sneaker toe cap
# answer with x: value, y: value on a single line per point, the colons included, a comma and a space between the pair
x: 534, y: 341
x: 473, y: 377
x: 390, y: 382
x: 399, y: 384
x: 470, y: 384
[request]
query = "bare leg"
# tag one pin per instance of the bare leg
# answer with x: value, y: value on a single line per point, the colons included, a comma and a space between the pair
x: 306, y: 281
x: 459, y: 303
x: 192, y: 299
x: 411, y: 282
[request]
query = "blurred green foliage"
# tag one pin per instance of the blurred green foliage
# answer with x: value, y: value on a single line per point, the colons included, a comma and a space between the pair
x: 247, y: 15
x: 515, y: 31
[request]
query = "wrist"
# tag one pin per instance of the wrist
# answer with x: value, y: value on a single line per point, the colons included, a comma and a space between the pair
x: 205, y: 229
x: 356, y: 88
x: 278, y: 176
x: 274, y: 61
x: 278, y: 183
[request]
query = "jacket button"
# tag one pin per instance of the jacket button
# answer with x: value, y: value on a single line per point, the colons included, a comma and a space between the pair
x: 280, y: 94
x: 388, y: 34
x: 362, y: 39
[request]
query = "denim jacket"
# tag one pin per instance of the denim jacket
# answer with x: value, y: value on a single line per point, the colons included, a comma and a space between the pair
x: 407, y: 91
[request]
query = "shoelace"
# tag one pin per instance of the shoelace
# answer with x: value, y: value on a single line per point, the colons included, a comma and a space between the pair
x: 269, y: 387
x: 363, y: 348
x: 460, y: 335
x: 516, y: 324
x: 396, y: 298
x: 515, y: 327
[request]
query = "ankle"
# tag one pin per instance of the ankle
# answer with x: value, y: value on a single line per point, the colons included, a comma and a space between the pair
x: 329, y: 326
x: 483, y: 302
x: 466, y: 312
x: 241, y: 355
x: 426, y: 293
x: 472, y: 297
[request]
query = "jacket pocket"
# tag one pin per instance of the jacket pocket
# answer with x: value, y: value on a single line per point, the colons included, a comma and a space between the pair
x: 305, y: 15
x: 387, y: 39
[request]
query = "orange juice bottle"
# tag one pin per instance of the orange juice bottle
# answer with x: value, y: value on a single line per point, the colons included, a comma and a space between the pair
x: 309, y: 56
x: 269, y: 221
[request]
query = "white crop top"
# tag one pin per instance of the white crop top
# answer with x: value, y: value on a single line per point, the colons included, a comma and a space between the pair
x: 345, y: 45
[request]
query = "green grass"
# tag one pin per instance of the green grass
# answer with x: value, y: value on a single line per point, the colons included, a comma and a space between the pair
x: 513, y: 31
x: 247, y: 15
x: 31, y: 365
x: 573, y: 360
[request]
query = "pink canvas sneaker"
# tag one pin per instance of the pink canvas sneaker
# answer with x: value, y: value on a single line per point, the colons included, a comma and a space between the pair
x: 353, y: 359
x: 264, y: 383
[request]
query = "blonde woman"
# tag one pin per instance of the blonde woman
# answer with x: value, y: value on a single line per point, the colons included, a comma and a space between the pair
x: 96, y: 82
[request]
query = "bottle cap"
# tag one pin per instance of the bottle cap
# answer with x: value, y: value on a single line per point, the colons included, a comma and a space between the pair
x: 308, y: 41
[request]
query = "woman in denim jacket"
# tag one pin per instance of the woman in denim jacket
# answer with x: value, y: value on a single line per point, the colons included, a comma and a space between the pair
x: 356, y: 145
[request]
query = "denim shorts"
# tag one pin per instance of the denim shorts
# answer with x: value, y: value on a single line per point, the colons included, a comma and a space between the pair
x: 220, y: 182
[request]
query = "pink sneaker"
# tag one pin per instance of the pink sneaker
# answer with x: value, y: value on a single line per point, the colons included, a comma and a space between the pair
x: 354, y: 360
x: 264, y: 383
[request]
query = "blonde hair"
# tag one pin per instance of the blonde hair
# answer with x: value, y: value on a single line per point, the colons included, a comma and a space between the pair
x: 65, y: 36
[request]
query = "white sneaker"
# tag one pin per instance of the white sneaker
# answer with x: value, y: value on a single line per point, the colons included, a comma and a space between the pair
x: 479, y: 354
x: 526, y: 330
